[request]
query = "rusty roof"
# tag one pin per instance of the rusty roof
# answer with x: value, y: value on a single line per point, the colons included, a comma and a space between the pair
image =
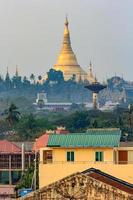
x: 110, y: 180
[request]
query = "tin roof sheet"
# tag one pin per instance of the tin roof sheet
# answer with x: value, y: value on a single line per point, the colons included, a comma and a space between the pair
x: 8, y: 147
x: 92, y: 138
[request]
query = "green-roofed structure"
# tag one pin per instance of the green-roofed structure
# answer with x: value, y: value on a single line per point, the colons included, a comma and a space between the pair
x: 91, y: 138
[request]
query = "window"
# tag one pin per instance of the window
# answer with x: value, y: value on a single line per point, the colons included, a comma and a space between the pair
x: 70, y: 156
x: 47, y: 157
x: 99, y: 156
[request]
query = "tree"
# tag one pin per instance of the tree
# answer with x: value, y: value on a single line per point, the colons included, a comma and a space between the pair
x: 8, y: 82
x: 32, y: 78
x: 27, y: 179
x: 55, y: 76
x: 26, y: 82
x: 39, y: 77
x: 78, y: 121
x: 12, y: 113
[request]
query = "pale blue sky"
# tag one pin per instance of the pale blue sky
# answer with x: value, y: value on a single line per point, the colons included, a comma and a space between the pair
x: 101, y: 30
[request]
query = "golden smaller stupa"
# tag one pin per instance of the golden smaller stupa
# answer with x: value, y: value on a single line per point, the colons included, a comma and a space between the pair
x: 67, y: 61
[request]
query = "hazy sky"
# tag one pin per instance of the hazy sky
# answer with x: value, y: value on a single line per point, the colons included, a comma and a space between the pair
x: 101, y: 31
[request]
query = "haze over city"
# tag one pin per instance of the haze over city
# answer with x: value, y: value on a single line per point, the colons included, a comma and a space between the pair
x: 101, y: 31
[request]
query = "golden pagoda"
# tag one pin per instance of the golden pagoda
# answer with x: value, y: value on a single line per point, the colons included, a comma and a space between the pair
x: 67, y: 61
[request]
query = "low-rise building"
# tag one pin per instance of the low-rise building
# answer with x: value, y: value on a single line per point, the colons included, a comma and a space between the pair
x: 13, y: 161
x: 75, y: 152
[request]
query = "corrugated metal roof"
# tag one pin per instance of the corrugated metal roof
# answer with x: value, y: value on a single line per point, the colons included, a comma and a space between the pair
x: 92, y: 138
x: 110, y: 180
x: 8, y: 147
x: 42, y: 141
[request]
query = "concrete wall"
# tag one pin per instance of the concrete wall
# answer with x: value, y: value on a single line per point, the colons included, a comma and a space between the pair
x: 81, y: 154
x: 84, y: 159
x: 48, y: 173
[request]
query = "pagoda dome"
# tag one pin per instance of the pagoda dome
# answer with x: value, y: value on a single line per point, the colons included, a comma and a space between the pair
x: 67, y: 61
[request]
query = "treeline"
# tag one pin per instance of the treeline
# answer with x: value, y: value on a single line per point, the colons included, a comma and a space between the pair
x: 18, y: 82
x: 31, y: 126
x: 57, y: 89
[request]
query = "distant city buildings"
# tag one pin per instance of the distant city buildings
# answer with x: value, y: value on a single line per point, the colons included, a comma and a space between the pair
x: 43, y: 104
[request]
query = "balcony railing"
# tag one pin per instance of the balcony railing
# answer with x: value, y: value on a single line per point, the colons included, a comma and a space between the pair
x: 13, y: 165
x: 86, y: 162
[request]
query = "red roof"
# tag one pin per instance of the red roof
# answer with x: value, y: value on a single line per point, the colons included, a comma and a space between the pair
x: 8, y: 147
x: 42, y: 141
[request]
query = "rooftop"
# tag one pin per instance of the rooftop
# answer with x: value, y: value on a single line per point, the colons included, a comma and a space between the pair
x: 8, y: 147
x: 27, y: 145
x: 92, y: 138
x: 110, y: 180
x: 42, y: 141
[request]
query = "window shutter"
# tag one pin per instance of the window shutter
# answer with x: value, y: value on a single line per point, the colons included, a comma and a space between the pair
x: 68, y: 156
x: 72, y: 156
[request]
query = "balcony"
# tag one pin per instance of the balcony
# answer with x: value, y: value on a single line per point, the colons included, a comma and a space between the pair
x: 50, y: 161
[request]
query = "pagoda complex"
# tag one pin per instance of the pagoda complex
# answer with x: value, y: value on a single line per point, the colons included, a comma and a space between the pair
x: 67, y: 61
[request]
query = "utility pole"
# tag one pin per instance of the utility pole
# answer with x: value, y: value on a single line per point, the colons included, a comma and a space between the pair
x: 23, y: 158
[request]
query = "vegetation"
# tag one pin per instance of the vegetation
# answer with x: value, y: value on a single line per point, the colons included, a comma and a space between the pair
x: 31, y: 126
x: 12, y: 115
x: 27, y: 179
x: 23, y: 90
x: 31, y: 123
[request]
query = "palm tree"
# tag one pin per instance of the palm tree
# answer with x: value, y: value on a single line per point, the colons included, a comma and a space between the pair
x: 12, y: 114
x: 32, y: 78
x: 39, y: 77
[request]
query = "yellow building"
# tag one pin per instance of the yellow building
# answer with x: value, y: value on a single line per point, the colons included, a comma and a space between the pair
x: 91, y: 184
x: 97, y: 148
x: 67, y: 61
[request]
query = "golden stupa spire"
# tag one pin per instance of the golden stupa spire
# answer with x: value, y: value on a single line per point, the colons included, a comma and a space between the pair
x: 67, y: 61
x: 66, y: 56
x: 66, y: 37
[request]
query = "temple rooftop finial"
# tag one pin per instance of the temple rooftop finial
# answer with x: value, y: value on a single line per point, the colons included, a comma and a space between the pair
x: 16, y: 73
x: 90, y: 64
x: 7, y: 73
x: 95, y: 78
x: 66, y: 20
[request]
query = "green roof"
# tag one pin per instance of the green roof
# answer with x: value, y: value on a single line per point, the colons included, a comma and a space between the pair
x: 92, y: 138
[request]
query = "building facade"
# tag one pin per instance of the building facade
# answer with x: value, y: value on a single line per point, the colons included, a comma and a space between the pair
x: 91, y: 184
x: 14, y: 160
x: 71, y: 153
